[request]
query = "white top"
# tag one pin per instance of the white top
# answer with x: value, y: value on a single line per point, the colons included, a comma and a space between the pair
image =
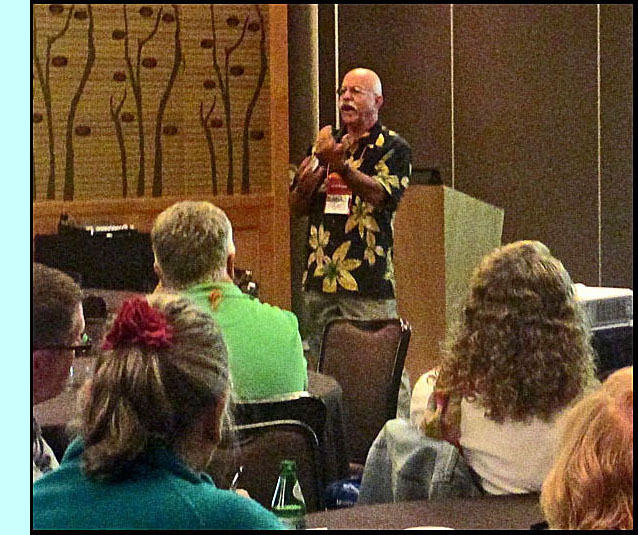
x: 509, y: 458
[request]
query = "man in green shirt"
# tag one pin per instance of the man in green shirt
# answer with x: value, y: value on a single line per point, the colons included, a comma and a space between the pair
x: 195, y: 256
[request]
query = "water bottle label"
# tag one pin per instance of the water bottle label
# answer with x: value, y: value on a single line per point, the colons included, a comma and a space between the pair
x: 296, y: 492
x: 298, y: 522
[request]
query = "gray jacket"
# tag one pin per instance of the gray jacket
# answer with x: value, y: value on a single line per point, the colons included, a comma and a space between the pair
x: 403, y: 464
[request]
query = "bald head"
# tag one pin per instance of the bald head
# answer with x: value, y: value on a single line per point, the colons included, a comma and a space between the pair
x: 365, y: 78
x: 360, y: 99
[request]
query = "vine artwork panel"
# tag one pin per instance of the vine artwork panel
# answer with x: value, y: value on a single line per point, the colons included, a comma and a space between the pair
x: 134, y: 100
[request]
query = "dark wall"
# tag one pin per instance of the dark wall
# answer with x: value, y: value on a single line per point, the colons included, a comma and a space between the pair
x: 525, y: 114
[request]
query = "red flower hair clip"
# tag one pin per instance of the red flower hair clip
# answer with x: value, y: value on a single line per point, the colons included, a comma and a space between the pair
x: 138, y: 323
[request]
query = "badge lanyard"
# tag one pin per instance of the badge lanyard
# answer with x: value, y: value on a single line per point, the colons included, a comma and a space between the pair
x: 338, y: 194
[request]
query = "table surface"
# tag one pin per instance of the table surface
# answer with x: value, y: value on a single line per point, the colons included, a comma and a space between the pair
x: 493, y: 512
x: 53, y: 416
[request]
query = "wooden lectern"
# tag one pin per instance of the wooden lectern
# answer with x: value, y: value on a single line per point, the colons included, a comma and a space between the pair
x: 440, y: 235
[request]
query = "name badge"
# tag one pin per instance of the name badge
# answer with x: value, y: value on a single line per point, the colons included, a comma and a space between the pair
x: 338, y: 195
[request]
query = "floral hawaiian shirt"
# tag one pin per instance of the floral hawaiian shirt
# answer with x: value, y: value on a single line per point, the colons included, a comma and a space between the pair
x: 353, y: 253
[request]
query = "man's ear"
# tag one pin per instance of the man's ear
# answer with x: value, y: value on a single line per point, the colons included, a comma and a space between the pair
x: 157, y: 270
x: 378, y: 99
x: 230, y: 265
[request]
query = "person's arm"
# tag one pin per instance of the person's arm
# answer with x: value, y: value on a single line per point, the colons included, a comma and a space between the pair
x: 392, y: 171
x: 333, y: 156
x: 363, y: 185
x: 305, y: 186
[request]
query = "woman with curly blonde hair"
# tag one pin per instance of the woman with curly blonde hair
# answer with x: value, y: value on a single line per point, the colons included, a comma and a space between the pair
x: 519, y: 357
x: 591, y: 483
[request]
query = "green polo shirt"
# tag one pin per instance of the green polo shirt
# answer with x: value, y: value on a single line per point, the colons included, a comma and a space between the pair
x: 265, y: 354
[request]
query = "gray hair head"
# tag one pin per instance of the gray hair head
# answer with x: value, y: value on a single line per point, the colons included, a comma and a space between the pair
x: 191, y: 242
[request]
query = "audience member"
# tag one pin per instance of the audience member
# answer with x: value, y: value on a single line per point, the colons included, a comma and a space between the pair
x: 195, y: 255
x: 57, y: 325
x: 520, y: 356
x: 591, y: 483
x: 154, y: 412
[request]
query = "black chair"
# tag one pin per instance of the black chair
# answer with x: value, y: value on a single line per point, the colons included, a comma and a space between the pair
x: 301, y: 406
x: 366, y: 357
x: 260, y: 448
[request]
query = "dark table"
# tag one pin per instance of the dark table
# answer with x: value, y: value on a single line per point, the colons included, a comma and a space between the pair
x: 494, y: 512
x: 54, y: 415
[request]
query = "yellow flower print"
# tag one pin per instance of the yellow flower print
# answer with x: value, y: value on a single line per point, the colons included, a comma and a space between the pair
x: 405, y: 182
x: 337, y: 270
x: 383, y: 175
x: 380, y: 141
x: 361, y: 217
x: 392, y: 133
x: 318, y: 240
x: 354, y: 164
x: 372, y: 249
x: 389, y: 270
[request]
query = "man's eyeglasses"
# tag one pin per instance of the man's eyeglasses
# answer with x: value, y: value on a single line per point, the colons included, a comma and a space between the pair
x: 355, y: 91
x: 82, y: 348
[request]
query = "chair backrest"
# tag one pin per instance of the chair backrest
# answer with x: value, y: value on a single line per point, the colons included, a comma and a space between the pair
x: 260, y: 448
x: 301, y: 406
x: 94, y: 306
x: 366, y: 357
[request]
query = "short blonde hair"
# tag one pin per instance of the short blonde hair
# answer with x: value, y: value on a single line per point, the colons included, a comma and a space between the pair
x: 591, y: 483
x: 191, y: 241
x: 141, y: 394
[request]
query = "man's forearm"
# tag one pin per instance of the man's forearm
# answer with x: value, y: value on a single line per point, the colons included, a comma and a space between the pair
x: 301, y: 196
x: 363, y: 185
x: 299, y: 202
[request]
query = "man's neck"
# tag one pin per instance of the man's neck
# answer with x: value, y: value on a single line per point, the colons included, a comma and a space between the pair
x: 357, y: 131
x: 220, y: 277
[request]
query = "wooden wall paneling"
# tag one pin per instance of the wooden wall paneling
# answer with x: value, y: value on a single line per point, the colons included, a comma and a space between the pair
x: 616, y: 60
x: 526, y: 124
x: 408, y: 46
x: 279, y: 157
x: 185, y: 157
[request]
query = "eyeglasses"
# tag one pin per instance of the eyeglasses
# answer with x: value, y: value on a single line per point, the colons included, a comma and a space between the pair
x: 82, y: 348
x: 355, y: 91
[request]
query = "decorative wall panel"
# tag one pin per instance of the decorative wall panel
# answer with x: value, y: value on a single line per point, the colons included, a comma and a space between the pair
x: 137, y: 106
x: 135, y: 100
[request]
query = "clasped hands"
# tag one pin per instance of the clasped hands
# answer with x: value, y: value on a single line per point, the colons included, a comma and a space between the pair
x: 332, y: 155
x: 328, y: 155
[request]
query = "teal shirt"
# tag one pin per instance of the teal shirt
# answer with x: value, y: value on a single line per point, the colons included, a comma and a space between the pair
x: 159, y: 492
x: 264, y: 346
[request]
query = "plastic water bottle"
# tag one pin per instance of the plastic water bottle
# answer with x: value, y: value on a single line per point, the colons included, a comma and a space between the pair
x: 288, y: 502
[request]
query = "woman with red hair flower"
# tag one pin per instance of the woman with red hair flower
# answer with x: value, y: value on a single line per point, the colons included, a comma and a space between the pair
x: 153, y: 414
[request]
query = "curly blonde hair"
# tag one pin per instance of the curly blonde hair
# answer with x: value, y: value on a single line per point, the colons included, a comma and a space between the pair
x: 522, y: 348
x: 591, y: 483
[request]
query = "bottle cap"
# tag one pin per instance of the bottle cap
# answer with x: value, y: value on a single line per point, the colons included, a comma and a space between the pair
x: 289, y: 464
